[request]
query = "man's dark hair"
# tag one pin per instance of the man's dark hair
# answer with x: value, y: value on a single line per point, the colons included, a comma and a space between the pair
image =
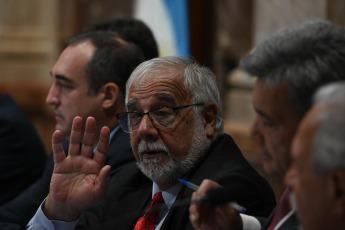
x: 303, y: 56
x: 130, y: 30
x: 113, y: 60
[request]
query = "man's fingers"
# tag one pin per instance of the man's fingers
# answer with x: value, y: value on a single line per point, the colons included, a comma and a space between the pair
x: 102, y: 147
x: 104, y: 176
x: 198, y: 212
x: 89, y: 137
x: 103, y: 181
x: 59, y: 154
x: 75, y: 138
x: 207, y: 185
x: 194, y: 210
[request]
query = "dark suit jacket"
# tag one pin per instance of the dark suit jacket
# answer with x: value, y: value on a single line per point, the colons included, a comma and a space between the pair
x: 20, y: 210
x: 130, y: 191
x: 22, y: 156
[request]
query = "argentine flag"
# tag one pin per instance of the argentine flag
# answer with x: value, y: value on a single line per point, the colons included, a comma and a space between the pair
x: 168, y: 20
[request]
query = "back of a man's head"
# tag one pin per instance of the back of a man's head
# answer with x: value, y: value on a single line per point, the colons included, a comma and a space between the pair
x: 113, y: 60
x: 329, y: 144
x: 131, y: 30
x: 317, y: 175
x: 303, y: 56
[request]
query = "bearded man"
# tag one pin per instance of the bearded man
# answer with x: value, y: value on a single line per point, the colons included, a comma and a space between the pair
x: 175, y: 120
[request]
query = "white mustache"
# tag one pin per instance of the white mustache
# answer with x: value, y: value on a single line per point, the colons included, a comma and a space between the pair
x: 145, y: 146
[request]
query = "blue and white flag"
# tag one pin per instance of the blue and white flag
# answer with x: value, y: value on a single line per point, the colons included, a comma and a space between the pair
x: 169, y: 22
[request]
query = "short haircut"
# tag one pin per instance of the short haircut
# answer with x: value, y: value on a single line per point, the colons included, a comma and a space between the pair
x: 303, y: 57
x: 113, y: 59
x: 130, y: 30
x: 199, y: 81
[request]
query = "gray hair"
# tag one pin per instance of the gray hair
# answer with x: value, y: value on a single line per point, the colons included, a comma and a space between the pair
x: 303, y: 57
x: 329, y: 144
x: 332, y: 93
x: 198, y: 80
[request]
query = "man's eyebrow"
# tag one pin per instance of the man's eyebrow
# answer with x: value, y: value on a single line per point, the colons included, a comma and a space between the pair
x: 264, y: 115
x: 165, y: 98
x: 160, y: 98
x: 61, y: 78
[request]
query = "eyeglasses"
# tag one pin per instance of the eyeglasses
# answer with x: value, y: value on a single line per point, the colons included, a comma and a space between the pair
x: 161, y: 118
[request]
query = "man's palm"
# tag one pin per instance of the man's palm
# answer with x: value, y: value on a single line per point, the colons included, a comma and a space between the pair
x: 79, y: 180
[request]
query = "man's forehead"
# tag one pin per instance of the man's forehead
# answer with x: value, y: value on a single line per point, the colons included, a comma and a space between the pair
x: 158, y: 76
x: 160, y: 87
x: 157, y: 98
x: 270, y: 98
x: 266, y: 87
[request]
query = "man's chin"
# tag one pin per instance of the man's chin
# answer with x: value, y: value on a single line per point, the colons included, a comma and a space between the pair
x: 151, y: 165
x: 156, y: 171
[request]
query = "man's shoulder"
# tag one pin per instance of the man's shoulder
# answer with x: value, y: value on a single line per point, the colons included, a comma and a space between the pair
x: 224, y: 152
x: 224, y: 142
x: 226, y: 165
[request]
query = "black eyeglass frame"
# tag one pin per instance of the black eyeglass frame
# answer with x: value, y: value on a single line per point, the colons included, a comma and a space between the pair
x: 125, y: 115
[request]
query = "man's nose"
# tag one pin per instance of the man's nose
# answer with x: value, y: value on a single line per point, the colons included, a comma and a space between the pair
x: 254, y: 133
x: 52, y: 97
x: 146, y: 129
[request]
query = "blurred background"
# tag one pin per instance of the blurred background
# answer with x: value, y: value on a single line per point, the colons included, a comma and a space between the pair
x: 217, y: 33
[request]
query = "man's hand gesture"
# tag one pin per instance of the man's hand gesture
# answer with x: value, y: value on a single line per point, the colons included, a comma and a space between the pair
x: 80, y: 179
x: 206, y: 217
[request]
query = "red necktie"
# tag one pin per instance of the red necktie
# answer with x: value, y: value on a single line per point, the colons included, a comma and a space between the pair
x: 148, y: 221
x: 282, y: 210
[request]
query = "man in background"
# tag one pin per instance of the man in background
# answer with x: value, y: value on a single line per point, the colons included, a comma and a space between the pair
x: 131, y: 30
x: 317, y: 173
x: 22, y: 156
x: 88, y: 80
x: 289, y: 67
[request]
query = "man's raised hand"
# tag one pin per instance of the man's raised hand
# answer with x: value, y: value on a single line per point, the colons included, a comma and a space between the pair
x: 80, y: 179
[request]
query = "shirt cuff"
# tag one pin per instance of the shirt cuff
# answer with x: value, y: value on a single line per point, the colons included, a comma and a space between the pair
x: 40, y: 222
x: 250, y: 222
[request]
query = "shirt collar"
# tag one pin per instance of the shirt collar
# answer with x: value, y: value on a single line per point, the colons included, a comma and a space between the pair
x: 169, y: 195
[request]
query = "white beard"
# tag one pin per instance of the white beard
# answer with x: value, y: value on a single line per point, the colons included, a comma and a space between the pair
x: 173, y: 170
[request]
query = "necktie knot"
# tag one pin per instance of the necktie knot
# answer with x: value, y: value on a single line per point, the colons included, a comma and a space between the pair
x: 156, y: 200
x: 148, y: 221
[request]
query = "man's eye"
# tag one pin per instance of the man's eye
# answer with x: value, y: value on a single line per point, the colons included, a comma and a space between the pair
x: 64, y: 86
x: 269, y: 123
x: 135, y: 115
x: 162, y: 112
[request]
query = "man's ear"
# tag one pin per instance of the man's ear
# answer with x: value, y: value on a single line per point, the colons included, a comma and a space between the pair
x: 111, y: 94
x: 210, y: 118
x: 338, y: 182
